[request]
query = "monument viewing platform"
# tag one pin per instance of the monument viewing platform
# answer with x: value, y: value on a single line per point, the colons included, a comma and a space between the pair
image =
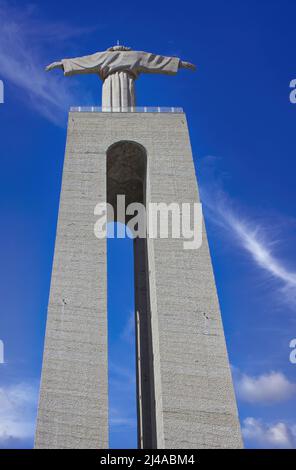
x: 129, y: 109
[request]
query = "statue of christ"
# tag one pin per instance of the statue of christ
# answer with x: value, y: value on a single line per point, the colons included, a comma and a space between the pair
x: 118, y: 67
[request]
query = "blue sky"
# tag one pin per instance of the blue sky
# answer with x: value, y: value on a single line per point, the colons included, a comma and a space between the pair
x: 242, y: 128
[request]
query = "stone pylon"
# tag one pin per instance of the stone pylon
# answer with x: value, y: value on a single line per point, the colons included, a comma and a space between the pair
x: 184, y: 385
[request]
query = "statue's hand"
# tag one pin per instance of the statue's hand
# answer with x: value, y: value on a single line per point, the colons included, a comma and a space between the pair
x: 54, y: 65
x: 187, y: 65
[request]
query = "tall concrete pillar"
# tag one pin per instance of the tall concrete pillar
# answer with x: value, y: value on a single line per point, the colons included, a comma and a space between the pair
x: 185, y: 392
x: 147, y: 438
x: 73, y: 403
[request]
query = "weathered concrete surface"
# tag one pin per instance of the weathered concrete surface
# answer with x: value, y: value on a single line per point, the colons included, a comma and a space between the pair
x: 194, y: 401
x: 73, y: 407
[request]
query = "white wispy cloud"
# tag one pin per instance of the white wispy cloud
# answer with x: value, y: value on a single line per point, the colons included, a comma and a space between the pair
x: 17, y: 413
x: 121, y: 418
x: 265, y: 389
x: 24, y: 42
x: 277, y: 435
x: 122, y: 383
x: 122, y: 373
x: 260, y: 249
x: 252, y: 237
x: 128, y: 332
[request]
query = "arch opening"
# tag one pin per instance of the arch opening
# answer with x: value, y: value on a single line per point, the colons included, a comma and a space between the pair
x: 126, y: 175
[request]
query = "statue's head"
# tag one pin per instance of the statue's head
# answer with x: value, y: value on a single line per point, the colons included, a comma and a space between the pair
x: 119, y: 48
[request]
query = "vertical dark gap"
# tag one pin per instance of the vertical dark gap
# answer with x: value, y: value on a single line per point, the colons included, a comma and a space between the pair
x: 144, y: 349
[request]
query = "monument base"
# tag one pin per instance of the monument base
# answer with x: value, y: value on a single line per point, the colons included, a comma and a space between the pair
x: 188, y: 399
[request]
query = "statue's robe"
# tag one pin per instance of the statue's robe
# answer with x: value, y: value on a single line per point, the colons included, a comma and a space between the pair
x: 118, y: 70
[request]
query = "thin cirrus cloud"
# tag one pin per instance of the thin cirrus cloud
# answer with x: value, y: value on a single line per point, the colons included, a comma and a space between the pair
x: 250, y: 236
x: 278, y: 435
x: 24, y: 40
x: 261, y: 252
x: 18, y: 403
x: 122, y: 387
x: 121, y: 418
x: 128, y: 332
x: 264, y: 389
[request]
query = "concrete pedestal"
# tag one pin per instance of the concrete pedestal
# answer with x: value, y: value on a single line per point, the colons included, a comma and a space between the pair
x: 186, y: 397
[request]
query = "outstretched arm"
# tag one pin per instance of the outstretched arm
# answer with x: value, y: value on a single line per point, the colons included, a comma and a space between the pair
x: 81, y: 65
x: 186, y: 65
x: 54, y: 65
x: 151, y: 63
